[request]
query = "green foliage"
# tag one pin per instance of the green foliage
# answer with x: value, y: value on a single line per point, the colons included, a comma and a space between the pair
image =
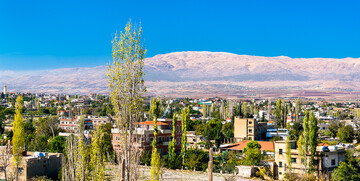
x: 126, y: 85
x: 278, y: 114
x: 305, y: 139
x: 227, y: 130
x: 345, y: 172
x: 346, y: 134
x: 185, y: 116
x: 288, y: 155
x: 226, y: 162
x: 18, y: 139
x: 145, y: 158
x: 253, y: 154
x: 313, y: 138
x: 172, y: 146
x: 295, y: 130
x: 155, y: 156
x: 196, y: 159
x: 106, y: 143
x: 97, y: 165
x: 334, y: 126
x: 56, y: 145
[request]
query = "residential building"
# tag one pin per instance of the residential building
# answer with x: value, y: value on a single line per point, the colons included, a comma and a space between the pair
x: 97, y: 121
x: 267, y: 147
x: 72, y: 124
x: 194, y: 140
x: 249, y: 129
x: 144, y: 134
x: 34, y: 164
x: 327, y: 158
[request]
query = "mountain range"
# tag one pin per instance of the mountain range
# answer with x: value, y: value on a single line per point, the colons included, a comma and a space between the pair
x: 203, y: 73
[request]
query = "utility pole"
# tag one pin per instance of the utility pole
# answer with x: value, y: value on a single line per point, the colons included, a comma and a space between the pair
x: 210, y: 167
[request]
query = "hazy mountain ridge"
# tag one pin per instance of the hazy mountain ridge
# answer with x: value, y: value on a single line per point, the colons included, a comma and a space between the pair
x: 181, y: 72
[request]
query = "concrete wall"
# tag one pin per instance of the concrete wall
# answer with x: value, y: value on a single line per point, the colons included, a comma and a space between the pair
x: 246, y: 171
x: 43, y: 166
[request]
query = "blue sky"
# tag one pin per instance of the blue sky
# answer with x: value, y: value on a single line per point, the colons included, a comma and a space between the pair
x: 55, y: 34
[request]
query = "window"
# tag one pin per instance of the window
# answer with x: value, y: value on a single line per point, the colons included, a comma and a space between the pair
x: 280, y: 151
x: 280, y: 173
x: 250, y: 122
x: 333, y: 162
x: 293, y: 160
x: 250, y: 130
x: 280, y: 164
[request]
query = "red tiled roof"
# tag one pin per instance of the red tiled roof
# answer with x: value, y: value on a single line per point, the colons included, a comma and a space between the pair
x: 152, y: 123
x: 323, y: 144
x: 265, y: 145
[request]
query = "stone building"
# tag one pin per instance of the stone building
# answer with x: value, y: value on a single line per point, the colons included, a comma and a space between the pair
x: 249, y: 129
x: 327, y: 158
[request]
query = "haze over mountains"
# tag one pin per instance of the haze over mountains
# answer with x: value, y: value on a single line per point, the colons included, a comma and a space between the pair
x: 203, y: 73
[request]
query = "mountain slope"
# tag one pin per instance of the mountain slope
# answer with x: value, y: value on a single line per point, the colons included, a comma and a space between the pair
x: 199, y: 73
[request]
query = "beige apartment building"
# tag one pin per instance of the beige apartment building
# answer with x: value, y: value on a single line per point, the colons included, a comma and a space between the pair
x: 249, y: 129
x: 327, y: 158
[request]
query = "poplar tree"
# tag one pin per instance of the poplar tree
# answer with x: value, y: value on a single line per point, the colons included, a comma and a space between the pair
x: 185, y: 116
x: 127, y: 87
x: 97, y: 166
x: 313, y: 142
x: 155, y: 156
x: 244, y: 109
x: 82, y: 170
x: 278, y: 113
x: 18, y: 139
x: 288, y: 155
x: 172, y: 146
x: 305, y: 139
x: 297, y: 108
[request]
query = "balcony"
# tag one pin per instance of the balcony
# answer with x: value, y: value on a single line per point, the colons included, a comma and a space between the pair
x: 165, y: 131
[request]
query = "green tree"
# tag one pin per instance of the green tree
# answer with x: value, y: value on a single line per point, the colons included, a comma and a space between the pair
x: 185, y: 116
x: 97, y: 166
x: 346, y: 134
x: 127, y: 87
x: 345, y: 172
x: 172, y: 146
x: 253, y: 154
x: 305, y: 139
x: 244, y: 110
x: 297, y: 108
x: 82, y: 156
x: 155, y: 156
x: 278, y: 114
x: 334, y: 126
x: 18, y: 139
x: 288, y: 155
x: 57, y: 145
x: 313, y: 138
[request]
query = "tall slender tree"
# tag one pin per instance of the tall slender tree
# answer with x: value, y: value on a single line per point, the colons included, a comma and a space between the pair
x: 305, y: 139
x: 97, y: 166
x: 297, y: 108
x: 172, y: 146
x: 18, y: 139
x: 127, y: 87
x: 82, y: 163
x: 185, y: 116
x: 155, y: 156
x: 278, y: 113
x: 313, y: 136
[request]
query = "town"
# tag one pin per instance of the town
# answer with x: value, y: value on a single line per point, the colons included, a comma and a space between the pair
x: 265, y: 138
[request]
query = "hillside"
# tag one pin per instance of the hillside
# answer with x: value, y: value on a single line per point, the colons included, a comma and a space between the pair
x: 203, y: 73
